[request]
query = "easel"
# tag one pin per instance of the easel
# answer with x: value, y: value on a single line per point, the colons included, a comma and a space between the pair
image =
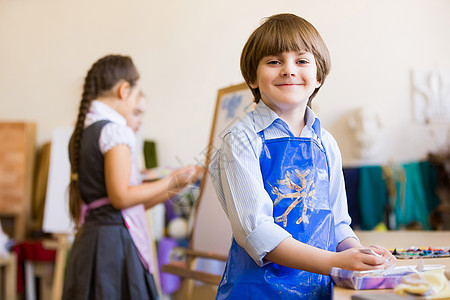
x: 187, y: 271
x: 62, y: 245
x: 9, y: 264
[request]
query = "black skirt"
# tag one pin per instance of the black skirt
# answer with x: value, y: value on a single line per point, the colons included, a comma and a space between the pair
x: 104, y: 262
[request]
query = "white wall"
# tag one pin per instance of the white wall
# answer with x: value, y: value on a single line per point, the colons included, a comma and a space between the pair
x: 187, y: 50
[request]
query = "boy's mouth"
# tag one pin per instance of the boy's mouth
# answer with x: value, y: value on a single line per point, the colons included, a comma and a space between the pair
x: 288, y: 84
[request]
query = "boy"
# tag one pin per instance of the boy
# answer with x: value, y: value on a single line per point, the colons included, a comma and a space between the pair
x: 279, y: 177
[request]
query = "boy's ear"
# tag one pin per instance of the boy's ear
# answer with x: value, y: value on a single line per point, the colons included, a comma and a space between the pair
x: 123, y: 90
x: 318, y: 84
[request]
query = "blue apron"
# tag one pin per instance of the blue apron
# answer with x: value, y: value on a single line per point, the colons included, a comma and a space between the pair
x: 296, y: 176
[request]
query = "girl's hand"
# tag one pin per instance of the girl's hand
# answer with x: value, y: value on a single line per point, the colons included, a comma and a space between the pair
x: 184, y: 176
x: 354, y: 260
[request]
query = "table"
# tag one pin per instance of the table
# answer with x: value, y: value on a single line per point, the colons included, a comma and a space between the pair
x: 399, y: 239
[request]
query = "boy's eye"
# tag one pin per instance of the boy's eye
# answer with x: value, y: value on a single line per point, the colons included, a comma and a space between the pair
x: 302, y: 61
x: 273, y: 62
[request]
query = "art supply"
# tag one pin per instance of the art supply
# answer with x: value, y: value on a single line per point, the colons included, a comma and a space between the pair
x: 422, y: 252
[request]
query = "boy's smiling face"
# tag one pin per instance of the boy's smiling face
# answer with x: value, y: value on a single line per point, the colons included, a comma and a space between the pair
x: 286, y: 80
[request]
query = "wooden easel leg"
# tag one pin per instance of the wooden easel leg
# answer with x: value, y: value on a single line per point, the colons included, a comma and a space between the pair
x: 190, y: 283
x: 62, y: 246
x: 185, y: 291
x: 60, y: 263
x: 11, y: 278
x: 189, y: 288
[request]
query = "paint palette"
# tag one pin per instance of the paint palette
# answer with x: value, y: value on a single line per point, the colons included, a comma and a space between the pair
x: 422, y: 252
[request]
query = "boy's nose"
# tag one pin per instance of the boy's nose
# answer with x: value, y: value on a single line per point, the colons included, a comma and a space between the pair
x: 287, y: 74
x: 287, y: 71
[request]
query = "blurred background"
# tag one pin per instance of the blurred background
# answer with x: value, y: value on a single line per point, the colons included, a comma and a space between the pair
x: 187, y: 50
x: 386, y: 101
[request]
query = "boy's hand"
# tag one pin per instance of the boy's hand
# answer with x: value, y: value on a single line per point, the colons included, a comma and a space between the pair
x: 354, y: 259
x: 390, y: 260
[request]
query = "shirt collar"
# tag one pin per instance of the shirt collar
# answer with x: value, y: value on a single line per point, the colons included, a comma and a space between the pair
x: 313, y: 121
x: 101, y: 111
x: 264, y: 117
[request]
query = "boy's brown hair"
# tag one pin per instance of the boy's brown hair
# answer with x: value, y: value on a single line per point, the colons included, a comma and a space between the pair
x: 280, y: 33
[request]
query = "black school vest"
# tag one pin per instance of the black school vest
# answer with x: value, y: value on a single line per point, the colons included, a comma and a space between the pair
x: 91, y: 166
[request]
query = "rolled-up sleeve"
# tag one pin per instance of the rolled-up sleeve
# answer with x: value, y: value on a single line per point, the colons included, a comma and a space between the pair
x: 237, y: 178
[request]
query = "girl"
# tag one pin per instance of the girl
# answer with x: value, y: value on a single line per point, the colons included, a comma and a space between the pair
x: 110, y: 256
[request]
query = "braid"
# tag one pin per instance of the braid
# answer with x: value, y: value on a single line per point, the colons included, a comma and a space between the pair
x: 75, y: 199
x: 102, y: 77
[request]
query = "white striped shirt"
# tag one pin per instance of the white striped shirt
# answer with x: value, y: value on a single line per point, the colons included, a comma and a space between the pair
x: 236, y: 176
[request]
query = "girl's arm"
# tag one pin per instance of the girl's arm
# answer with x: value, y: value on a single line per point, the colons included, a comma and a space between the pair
x: 294, y: 254
x: 122, y: 195
x: 178, y: 179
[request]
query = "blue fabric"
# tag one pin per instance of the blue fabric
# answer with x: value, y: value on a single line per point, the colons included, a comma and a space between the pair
x: 296, y: 176
x: 413, y: 197
x: 429, y: 180
x: 351, y: 179
x: 373, y: 196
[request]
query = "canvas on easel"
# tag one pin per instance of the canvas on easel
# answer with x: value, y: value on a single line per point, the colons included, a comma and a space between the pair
x: 210, y: 234
x: 56, y: 212
x: 56, y: 218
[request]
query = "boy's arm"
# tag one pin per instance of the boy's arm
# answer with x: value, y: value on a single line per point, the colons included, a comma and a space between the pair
x: 348, y: 243
x: 247, y: 204
x: 294, y: 254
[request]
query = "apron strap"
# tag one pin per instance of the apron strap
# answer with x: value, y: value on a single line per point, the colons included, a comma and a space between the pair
x: 87, y: 208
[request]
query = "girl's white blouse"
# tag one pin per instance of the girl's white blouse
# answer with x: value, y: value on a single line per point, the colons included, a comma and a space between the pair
x: 114, y: 133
